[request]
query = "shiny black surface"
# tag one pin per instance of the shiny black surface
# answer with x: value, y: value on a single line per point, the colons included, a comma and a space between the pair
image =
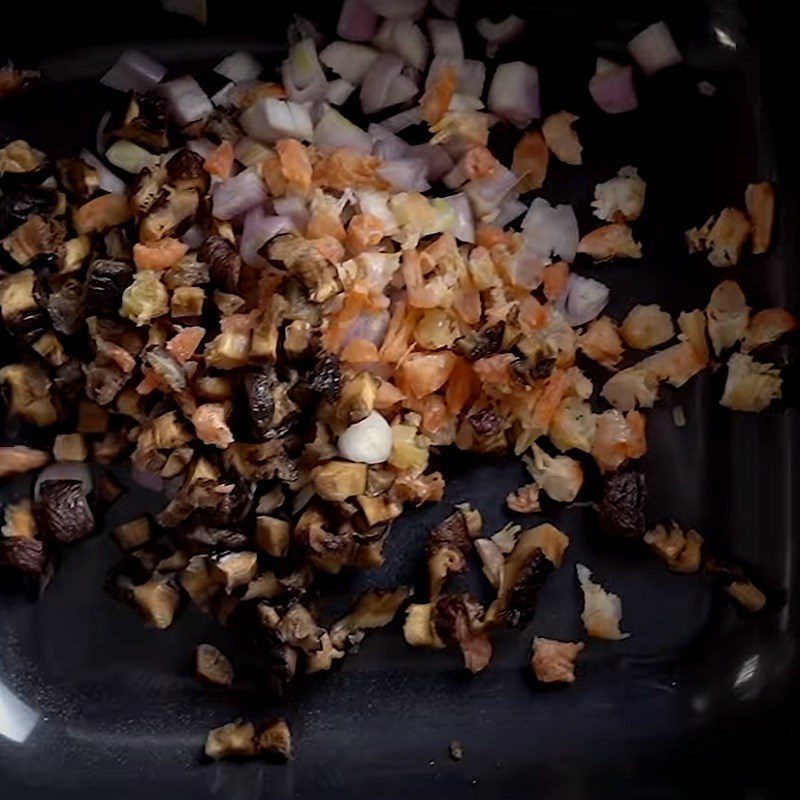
x: 700, y: 701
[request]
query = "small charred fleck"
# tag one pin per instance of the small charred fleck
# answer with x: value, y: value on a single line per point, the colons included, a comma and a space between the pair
x: 450, y: 532
x: 485, y: 421
x: 65, y: 510
x: 527, y: 372
x: 162, y: 362
x: 105, y: 282
x: 24, y: 553
x: 185, y: 170
x: 224, y: 264
x: 481, y: 344
x: 523, y: 594
x: 325, y: 377
x: 260, y: 401
x: 622, y: 505
x: 67, y: 307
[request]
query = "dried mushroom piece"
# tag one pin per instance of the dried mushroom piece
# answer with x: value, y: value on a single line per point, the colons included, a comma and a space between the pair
x: 736, y: 583
x: 273, y: 535
x: 537, y: 553
x: 212, y: 667
x: 621, y: 509
x: 234, y: 569
x: 447, y: 547
x: 682, y: 550
x: 458, y: 621
x: 18, y: 459
x: 23, y: 316
x: 224, y: 263
x: 338, y: 480
x: 65, y: 510
x: 20, y: 547
x: 158, y: 599
x: 145, y: 121
x: 553, y: 661
x: 373, y: 609
x: 106, y: 281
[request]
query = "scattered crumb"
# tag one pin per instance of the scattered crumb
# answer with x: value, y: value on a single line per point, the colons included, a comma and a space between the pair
x: 456, y: 750
x: 679, y: 417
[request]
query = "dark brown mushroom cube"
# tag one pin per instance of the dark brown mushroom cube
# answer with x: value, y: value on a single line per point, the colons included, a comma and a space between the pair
x: 65, y: 510
x: 212, y: 667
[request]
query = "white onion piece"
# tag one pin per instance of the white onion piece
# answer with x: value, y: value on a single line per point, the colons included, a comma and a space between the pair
x: 497, y: 33
x: 613, y: 90
x: 238, y: 66
x: 472, y: 78
x: 371, y: 201
x: 457, y: 176
x: 654, y: 49
x: 130, y: 157
x: 378, y: 82
x: 109, y: 182
x: 551, y: 231
x: 224, y: 96
x: 194, y: 236
x: 514, y: 93
x: 271, y: 119
x: 71, y: 471
x: 101, y: 137
x: 351, y: 61
x: 302, y: 65
x: 405, y: 39
x: 203, y: 147
x: 459, y: 221
x: 239, y: 194
x: 368, y: 441
x: 187, y: 101
x: 334, y: 130
x: 371, y: 327
x: 357, y: 21
x: 439, y: 163
x: 448, y: 8
x: 402, y: 120
x: 583, y: 299
x: 398, y: 9
x: 445, y: 38
x: 134, y: 72
x: 464, y: 102
x: 339, y: 91
x: 510, y: 209
x: 385, y: 144
x: 401, y: 91
x: 406, y: 174
x: 488, y: 193
x: 294, y: 207
x: 259, y: 228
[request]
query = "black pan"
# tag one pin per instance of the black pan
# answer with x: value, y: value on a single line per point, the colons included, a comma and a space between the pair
x: 699, y: 701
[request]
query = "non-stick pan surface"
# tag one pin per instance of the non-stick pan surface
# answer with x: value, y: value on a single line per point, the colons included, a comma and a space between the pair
x: 699, y: 701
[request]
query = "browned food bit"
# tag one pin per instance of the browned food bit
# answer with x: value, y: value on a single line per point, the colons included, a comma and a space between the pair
x: 456, y: 750
x: 621, y: 509
x: 375, y: 608
x: 602, y: 342
x: 492, y: 560
x: 723, y: 238
x: 561, y: 138
x: 338, y: 480
x: 20, y: 546
x: 750, y: 385
x: 233, y: 740
x: 560, y: 477
x: 158, y: 600
x: 70, y: 447
x: 446, y: 549
x: 212, y: 667
x: 611, y: 241
x: 78, y: 177
x: 646, y: 326
x: 738, y: 585
x: 145, y: 121
x: 458, y: 621
x: 524, y: 500
x: 36, y: 236
x: 760, y: 201
x: 65, y: 510
x: 766, y: 327
x: 234, y: 569
x: 620, y: 199
x: 21, y: 313
x: 530, y: 161
x: 682, y: 550
x: 224, y: 263
x: 553, y: 661
x: 15, y: 81
x: 18, y: 459
x: 273, y: 535
x: 602, y: 610
x: 18, y: 157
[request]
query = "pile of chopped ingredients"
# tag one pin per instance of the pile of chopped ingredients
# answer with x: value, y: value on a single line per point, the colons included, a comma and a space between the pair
x: 276, y: 315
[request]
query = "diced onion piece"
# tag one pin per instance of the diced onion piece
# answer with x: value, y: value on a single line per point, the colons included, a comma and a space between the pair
x: 402, y: 120
x: 302, y: 73
x: 405, y: 39
x: 398, y: 9
x: 224, y: 96
x: 294, y: 207
x: 401, y: 91
x: 654, y: 48
x: 551, y: 231
x: 357, y: 21
x: 436, y: 157
x: 67, y: 471
x: 351, y: 61
x: 459, y: 221
x: 385, y: 144
x: 488, y: 193
x: 259, y: 228
x: 445, y: 38
x: 514, y: 93
x: 613, y: 89
x: 378, y: 82
x: 372, y: 326
x: 406, y: 175
x: 472, y: 78
x: 109, y: 182
x: 584, y: 299
x: 302, y: 28
x: 510, y: 209
x: 239, y: 194
x: 134, y: 72
x: 271, y: 119
x: 339, y: 91
x: 203, y: 147
x: 238, y: 66
x: 334, y: 130
x: 130, y: 157
x: 368, y: 441
x: 449, y: 8
x: 187, y: 101
x: 497, y: 33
